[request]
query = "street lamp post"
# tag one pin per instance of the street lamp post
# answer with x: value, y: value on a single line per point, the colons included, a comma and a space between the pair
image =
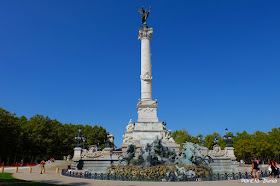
x: 200, y: 139
x: 108, y: 143
x: 227, y: 138
x: 97, y: 145
x: 78, y: 138
x: 84, y: 138
x: 215, y: 141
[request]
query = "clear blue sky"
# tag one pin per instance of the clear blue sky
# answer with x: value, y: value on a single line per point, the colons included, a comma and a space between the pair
x: 215, y: 63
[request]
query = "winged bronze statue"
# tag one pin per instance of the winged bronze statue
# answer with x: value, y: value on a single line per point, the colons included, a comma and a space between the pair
x: 145, y: 14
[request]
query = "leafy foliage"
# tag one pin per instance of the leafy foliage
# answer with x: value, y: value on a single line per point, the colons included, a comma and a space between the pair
x: 259, y: 145
x: 181, y: 137
x: 41, y: 137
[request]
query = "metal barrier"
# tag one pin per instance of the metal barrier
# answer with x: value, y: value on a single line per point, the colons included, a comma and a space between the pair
x: 171, y: 177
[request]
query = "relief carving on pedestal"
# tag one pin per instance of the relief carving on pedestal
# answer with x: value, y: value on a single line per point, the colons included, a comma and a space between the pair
x: 217, y: 152
x: 92, y: 152
x: 147, y: 109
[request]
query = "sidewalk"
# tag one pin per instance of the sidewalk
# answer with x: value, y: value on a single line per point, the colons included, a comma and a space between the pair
x: 54, y: 178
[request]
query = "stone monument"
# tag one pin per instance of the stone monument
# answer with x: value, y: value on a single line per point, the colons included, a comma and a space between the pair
x: 93, y: 159
x: 147, y: 128
x: 223, y: 160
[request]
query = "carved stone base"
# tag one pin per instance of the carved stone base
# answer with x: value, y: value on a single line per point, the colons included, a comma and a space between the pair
x: 77, y: 153
x: 204, y: 151
x: 171, y: 145
x: 223, y: 165
x: 230, y: 153
x: 146, y: 132
x: 147, y: 111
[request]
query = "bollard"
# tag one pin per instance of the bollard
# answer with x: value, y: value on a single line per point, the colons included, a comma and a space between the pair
x: 16, y: 170
x: 2, y: 169
x: 57, y: 170
x: 29, y: 170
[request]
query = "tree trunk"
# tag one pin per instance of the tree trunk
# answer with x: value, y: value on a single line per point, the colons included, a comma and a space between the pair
x: 8, y: 160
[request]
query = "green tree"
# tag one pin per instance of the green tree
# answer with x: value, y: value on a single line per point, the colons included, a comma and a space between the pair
x: 243, y: 146
x: 261, y: 145
x: 181, y: 136
x: 209, y: 140
x: 9, y: 135
x: 41, y: 137
x: 243, y: 149
x: 197, y: 139
x: 274, y: 140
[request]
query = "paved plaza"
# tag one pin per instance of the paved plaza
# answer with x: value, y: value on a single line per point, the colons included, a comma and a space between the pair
x: 55, y: 178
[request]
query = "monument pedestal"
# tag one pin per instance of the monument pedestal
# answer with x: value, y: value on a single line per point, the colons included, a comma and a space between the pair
x: 230, y: 153
x: 77, y: 154
x: 142, y: 133
x: 223, y: 165
x: 223, y: 161
x: 204, y: 151
x: 95, y: 161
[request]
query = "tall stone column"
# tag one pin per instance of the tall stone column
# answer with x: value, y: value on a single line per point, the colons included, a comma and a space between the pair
x: 145, y: 35
x: 147, y: 107
x: 147, y: 128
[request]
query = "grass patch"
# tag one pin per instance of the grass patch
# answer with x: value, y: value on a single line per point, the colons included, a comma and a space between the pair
x: 8, y: 179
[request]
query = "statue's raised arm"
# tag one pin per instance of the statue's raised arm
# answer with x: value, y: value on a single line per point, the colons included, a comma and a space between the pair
x: 140, y: 11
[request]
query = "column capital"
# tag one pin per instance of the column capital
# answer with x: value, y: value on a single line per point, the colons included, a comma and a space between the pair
x: 145, y: 33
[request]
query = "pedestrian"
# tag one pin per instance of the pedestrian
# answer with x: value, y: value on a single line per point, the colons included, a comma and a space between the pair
x: 258, y: 162
x: 42, y: 165
x: 255, y: 169
x: 274, y: 169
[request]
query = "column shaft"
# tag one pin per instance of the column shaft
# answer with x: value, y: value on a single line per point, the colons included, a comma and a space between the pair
x: 146, y: 66
x: 146, y: 70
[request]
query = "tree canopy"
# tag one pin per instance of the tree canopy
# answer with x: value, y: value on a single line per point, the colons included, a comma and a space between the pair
x: 41, y: 137
x: 259, y: 145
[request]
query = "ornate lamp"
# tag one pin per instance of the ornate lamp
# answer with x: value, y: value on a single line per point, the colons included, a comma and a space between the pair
x: 84, y: 140
x: 78, y: 138
x: 200, y: 139
x: 215, y: 141
x: 108, y: 142
x: 227, y: 138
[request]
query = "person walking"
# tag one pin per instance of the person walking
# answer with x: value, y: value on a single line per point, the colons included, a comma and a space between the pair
x: 273, y: 165
x: 255, y: 169
x: 256, y: 160
x: 42, y: 165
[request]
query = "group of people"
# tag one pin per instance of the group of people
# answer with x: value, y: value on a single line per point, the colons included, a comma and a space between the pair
x: 51, y: 160
x: 43, y: 163
x: 273, y: 168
